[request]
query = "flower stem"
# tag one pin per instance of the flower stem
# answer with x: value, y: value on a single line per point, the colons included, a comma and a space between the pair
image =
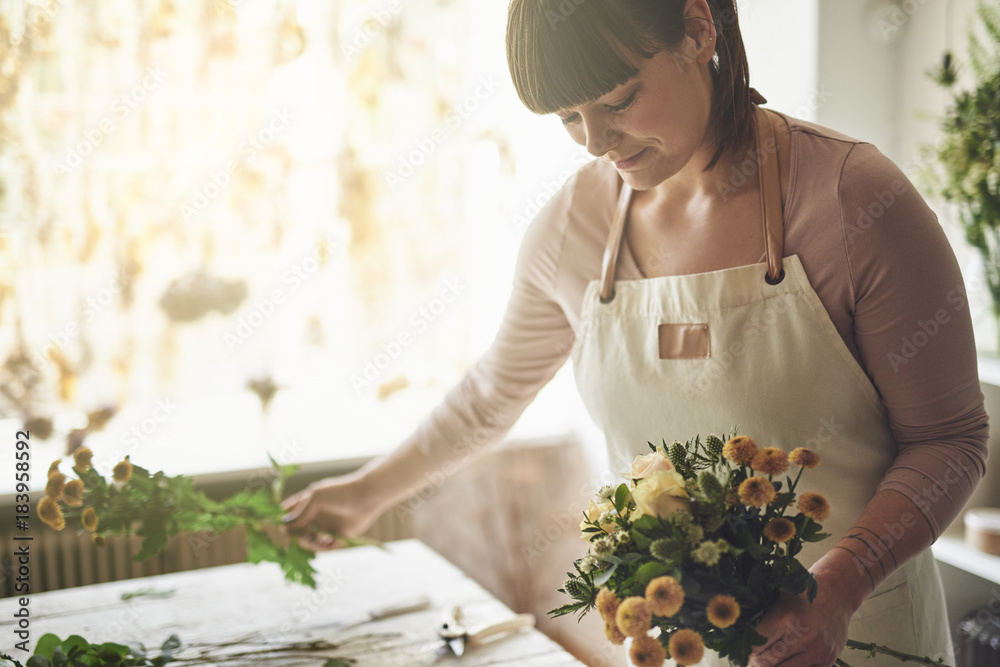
x: 796, y: 482
x: 899, y: 655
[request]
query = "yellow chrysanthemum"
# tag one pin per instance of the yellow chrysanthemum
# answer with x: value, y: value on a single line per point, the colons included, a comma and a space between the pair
x: 686, y: 647
x: 613, y: 634
x: 82, y: 458
x: 770, y: 461
x: 647, y: 652
x: 50, y: 514
x: 779, y: 530
x: 665, y: 596
x: 97, y: 539
x: 633, y: 617
x: 756, y: 492
x: 722, y: 611
x: 607, y: 604
x: 806, y: 458
x: 122, y: 471
x: 54, y: 468
x: 89, y: 519
x: 814, y: 506
x: 740, y: 449
x: 54, y: 487
x: 73, y: 493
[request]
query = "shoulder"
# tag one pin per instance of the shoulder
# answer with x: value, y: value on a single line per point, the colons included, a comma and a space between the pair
x: 813, y: 146
x: 847, y: 173
x: 581, y: 207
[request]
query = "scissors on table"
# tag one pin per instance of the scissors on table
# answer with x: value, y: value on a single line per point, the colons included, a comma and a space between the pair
x: 454, y: 637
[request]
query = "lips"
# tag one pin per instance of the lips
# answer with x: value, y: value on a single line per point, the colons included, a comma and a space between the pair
x: 630, y: 161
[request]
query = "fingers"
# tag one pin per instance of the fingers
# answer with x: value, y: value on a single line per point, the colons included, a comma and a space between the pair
x: 301, y: 513
x: 319, y: 541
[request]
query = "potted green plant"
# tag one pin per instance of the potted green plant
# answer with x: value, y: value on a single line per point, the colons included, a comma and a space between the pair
x: 966, y: 159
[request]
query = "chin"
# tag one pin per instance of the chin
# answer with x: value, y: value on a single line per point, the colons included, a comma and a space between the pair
x: 640, y: 180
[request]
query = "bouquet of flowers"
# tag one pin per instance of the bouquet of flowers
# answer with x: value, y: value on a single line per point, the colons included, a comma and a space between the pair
x: 699, y: 543
x: 157, y: 507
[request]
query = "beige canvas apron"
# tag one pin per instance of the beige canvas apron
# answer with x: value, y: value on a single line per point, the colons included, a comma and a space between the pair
x: 670, y: 357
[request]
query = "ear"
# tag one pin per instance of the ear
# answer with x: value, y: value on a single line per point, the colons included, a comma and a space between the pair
x: 700, y: 30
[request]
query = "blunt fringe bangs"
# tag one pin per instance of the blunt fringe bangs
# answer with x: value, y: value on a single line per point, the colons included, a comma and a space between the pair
x: 564, y: 53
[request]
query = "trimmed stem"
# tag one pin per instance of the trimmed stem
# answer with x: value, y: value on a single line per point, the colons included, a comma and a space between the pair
x: 885, y: 650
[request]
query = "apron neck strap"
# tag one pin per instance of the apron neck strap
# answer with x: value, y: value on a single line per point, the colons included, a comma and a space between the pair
x: 772, y: 136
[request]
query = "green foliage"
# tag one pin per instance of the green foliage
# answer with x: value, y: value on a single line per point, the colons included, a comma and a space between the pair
x: 75, y: 651
x: 157, y: 507
x: 967, y: 159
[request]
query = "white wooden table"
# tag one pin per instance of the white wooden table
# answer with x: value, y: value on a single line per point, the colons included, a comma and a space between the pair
x: 230, y: 602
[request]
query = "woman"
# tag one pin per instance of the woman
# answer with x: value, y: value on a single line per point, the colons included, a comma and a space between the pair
x: 721, y: 264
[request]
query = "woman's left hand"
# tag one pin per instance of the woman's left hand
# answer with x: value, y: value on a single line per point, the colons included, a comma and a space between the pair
x: 804, y: 634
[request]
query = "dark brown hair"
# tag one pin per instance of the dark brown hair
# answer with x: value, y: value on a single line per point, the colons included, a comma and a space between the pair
x: 563, y: 53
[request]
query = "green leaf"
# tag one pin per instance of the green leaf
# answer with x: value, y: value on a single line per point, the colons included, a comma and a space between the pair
x: 603, y: 577
x: 797, y: 579
x: 298, y: 565
x: 47, y: 644
x: 649, y: 571
x: 111, y: 652
x: 621, y: 497
x: 172, y: 644
x: 260, y: 547
x: 338, y: 662
x: 38, y: 661
x: 74, y: 644
x: 647, y: 524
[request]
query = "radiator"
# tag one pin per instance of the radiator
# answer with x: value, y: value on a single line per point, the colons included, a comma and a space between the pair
x: 66, y: 558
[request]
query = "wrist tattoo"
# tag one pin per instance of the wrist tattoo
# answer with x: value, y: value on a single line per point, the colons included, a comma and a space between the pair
x: 884, y: 545
x: 862, y: 562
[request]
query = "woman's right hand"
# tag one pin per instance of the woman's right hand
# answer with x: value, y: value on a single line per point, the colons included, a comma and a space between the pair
x: 335, y: 505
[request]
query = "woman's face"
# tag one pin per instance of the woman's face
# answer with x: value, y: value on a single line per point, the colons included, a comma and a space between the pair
x: 652, y: 126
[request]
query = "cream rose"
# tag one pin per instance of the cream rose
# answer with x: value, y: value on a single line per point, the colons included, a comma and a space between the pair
x: 645, y: 465
x: 661, y: 494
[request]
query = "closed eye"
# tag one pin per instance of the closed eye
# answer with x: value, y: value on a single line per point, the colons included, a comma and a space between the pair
x: 612, y: 108
x: 618, y: 108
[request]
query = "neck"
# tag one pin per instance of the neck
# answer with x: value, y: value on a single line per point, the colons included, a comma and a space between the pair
x: 693, y: 189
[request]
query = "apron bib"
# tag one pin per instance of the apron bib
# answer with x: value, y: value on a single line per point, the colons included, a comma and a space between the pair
x: 753, y: 346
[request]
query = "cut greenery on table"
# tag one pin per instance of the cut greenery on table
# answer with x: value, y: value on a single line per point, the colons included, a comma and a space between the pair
x: 75, y: 651
x: 157, y: 507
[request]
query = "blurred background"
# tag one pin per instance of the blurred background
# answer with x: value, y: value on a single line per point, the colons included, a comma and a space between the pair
x: 234, y: 228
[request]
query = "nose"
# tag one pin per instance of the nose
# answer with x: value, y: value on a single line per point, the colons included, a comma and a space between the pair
x: 600, y: 137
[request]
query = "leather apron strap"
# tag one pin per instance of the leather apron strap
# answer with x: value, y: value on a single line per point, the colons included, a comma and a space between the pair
x: 771, y: 136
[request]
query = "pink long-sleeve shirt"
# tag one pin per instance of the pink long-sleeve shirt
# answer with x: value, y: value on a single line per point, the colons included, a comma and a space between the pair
x: 873, y: 251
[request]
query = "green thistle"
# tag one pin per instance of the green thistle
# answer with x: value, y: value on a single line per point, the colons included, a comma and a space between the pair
x: 663, y: 549
x: 713, y: 445
x: 576, y: 588
x: 678, y: 455
x: 710, y: 485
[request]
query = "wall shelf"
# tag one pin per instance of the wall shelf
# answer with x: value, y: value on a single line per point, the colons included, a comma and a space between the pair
x: 989, y: 368
x: 957, y: 553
